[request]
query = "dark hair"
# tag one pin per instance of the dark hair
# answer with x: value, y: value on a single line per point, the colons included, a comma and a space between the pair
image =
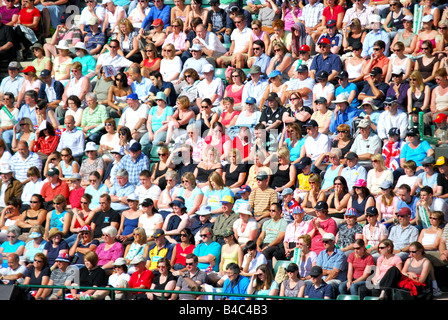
x: 189, y: 236
x: 405, y: 187
x: 277, y: 205
x: 145, y: 173
x: 207, y: 101
x: 427, y: 189
x: 380, y: 43
x: 96, y: 174
x: 260, y: 43
x: 75, y: 99
x: 32, y: 94
x: 344, y: 183
x: 124, y: 79
x: 192, y: 256
x: 251, y: 245
x: 87, y: 196
x: 10, y: 95
x: 127, y: 132
x: 234, y: 267
x: 14, y: 201
x: 156, y: 74
x: 50, y: 129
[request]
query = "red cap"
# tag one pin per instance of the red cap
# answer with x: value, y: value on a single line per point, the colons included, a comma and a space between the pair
x: 440, y: 117
x: 29, y: 69
x: 157, y: 22
x: 324, y: 40
x: 304, y: 48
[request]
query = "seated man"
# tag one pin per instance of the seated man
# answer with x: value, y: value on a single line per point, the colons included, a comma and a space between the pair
x: 53, y: 187
x: 134, y: 117
x: 51, y: 90
x: 318, y: 289
x: 208, y: 251
x: 120, y: 191
x: 262, y: 197
x: 235, y: 282
x: 161, y: 249
x: 270, y: 240
x: 367, y: 143
x: 15, y: 272
x: 333, y: 262
x: 326, y: 60
x: 192, y: 279
x: 333, y: 35
x: 240, y: 37
x: 353, y: 171
x: 374, y: 87
x: 403, y: 234
x: 343, y: 113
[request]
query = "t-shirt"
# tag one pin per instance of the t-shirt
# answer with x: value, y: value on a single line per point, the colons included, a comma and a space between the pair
x: 360, y: 264
x: 204, y: 249
x: 104, y: 219
x: 273, y: 228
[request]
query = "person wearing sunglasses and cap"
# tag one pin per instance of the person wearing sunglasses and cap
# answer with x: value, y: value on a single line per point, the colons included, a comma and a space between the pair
x: 326, y: 60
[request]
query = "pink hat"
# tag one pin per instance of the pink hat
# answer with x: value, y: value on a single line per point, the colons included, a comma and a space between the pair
x: 360, y: 183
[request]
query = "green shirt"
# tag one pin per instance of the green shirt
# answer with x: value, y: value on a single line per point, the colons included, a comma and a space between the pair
x: 98, y: 116
x: 273, y: 228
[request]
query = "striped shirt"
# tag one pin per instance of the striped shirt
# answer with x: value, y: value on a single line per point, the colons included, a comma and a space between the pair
x: 134, y: 167
x: 20, y: 166
x: 98, y: 116
x: 313, y: 14
x: 261, y: 200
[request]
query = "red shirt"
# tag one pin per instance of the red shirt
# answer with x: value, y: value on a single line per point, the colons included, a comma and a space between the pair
x: 144, y: 278
x: 74, y: 199
x: 49, y: 193
x: 337, y: 9
x: 360, y: 264
x: 244, y: 149
x: 28, y: 17
x: 46, y: 144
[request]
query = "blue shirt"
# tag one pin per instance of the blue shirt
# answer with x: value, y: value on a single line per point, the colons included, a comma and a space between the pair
x: 141, y: 88
x: 155, y: 13
x: 263, y: 62
x: 121, y: 191
x: 348, y: 90
x: 343, y: 117
x: 134, y: 167
x: 337, y: 260
x: 417, y: 154
x: 12, y: 85
x: 325, y: 290
x: 95, y: 203
x: 27, y: 112
x: 371, y: 38
x: 330, y: 63
x: 412, y: 205
x: 239, y: 287
x: 203, y: 249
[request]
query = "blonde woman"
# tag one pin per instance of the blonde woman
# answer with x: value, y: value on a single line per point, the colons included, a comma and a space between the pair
x: 190, y: 192
x: 171, y: 65
x: 215, y: 192
x: 315, y: 194
x: 129, y: 42
x: 210, y: 163
x: 400, y: 61
x: 177, y: 37
x: 151, y: 60
x: 378, y: 174
x: 178, y: 121
x: 419, y: 93
x: 180, y: 11
x: 284, y: 171
x: 234, y: 172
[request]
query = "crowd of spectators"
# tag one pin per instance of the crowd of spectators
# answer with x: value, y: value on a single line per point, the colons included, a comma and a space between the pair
x: 279, y: 148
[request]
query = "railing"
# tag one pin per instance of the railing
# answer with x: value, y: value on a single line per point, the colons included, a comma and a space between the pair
x: 196, y: 293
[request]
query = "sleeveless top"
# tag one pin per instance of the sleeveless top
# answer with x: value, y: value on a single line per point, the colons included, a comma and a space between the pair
x: 433, y: 42
x: 75, y: 86
x: 237, y: 96
x: 428, y: 238
x: 57, y: 220
x: 354, y: 71
x: 292, y: 292
x: 360, y: 207
x: 406, y: 41
x: 255, y: 37
x: 203, y: 174
x: 329, y: 176
x: 418, y: 101
x: 336, y: 215
x: 441, y: 101
x: 25, y: 230
x: 426, y: 71
x: 229, y: 258
x: 401, y: 66
x: 416, y: 270
x: 66, y: 171
x: 397, y: 22
x: 162, y: 181
x: 129, y: 225
x: 280, y: 178
x: 226, y: 122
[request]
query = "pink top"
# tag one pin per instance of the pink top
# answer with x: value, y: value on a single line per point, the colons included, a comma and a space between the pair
x: 289, y: 20
x: 387, y: 212
x: 114, y: 252
x: 225, y: 122
x: 328, y: 225
x: 260, y: 37
x: 237, y: 95
x: 382, y: 268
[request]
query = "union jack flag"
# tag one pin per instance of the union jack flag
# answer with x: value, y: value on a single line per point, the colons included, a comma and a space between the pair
x: 391, y: 154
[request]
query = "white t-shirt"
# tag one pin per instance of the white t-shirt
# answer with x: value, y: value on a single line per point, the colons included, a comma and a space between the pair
x: 243, y: 237
x: 153, y: 192
x: 170, y: 67
x: 206, y: 90
x: 131, y: 117
x: 148, y: 223
x: 314, y: 147
x: 241, y: 38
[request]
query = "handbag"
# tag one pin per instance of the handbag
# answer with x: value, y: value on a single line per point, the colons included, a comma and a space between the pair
x: 29, y: 34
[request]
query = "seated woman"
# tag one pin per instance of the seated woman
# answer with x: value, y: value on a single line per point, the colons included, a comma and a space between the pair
x: 373, y: 231
x: 332, y: 170
x: 337, y: 201
x: 163, y: 280
x: 235, y: 88
x: 55, y: 246
x: 171, y: 64
x: 10, y: 215
x: 215, y: 192
x: 234, y: 172
x: 129, y: 220
x: 427, y: 63
x: 258, y: 166
x: 41, y: 62
x: 262, y: 282
x: 419, y: 93
x: 160, y: 168
x: 83, y: 244
x: 12, y: 244
x: 430, y: 237
x: 129, y: 41
x: 37, y: 274
x: 361, y: 199
x: 343, y: 141
x: 207, y: 166
x: 378, y: 174
x: 93, y: 163
x: 34, y: 215
x: 285, y: 172
x: 151, y: 60
x: 23, y: 131
x: 294, y: 142
x: 118, y: 92
x: 218, y: 139
x: 229, y: 115
x: 109, y: 250
x: 190, y: 192
x: 59, y: 217
x: 406, y: 35
x: 47, y: 140
x: 180, y: 251
x: 348, y: 232
x: 137, y: 247
x: 179, y: 120
x: 313, y: 196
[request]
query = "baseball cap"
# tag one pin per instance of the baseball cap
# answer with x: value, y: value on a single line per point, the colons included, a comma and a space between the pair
x: 394, y: 132
x: 412, y: 132
x: 360, y: 183
x: 322, y: 75
x: 132, y: 96
x: 157, y: 22
x: 390, y: 100
x: 331, y: 23
x: 251, y: 100
x: 371, y: 211
x: 244, y: 188
x: 272, y: 96
x: 386, y: 184
x: 136, y: 146
x: 351, y: 155
x: 320, y: 100
x: 405, y: 211
x: 208, y: 68
x: 227, y: 199
x: 324, y: 40
x: 158, y: 233
x: 45, y: 73
x: 316, y: 271
x: 441, y: 161
x: 274, y: 73
x: 196, y: 47
x: 287, y: 191
x: 415, y: 110
x: 329, y: 236
x: 304, y: 48
x: 311, y: 123
x: 234, y: 7
x: 305, y: 161
x: 119, y: 262
x: 14, y: 65
x: 428, y: 160
x: 342, y: 74
x: 397, y: 71
x: 137, y: 259
x: 292, y: 267
x: 75, y: 176
x: 85, y: 228
x: 53, y: 172
x: 255, y: 69
x: 321, y: 205
x: 147, y: 202
x: 302, y: 68
x: 364, y: 123
x: 427, y: 18
x: 29, y: 69
x: 440, y: 117
x: 375, y: 18
x: 376, y: 71
x: 262, y: 175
